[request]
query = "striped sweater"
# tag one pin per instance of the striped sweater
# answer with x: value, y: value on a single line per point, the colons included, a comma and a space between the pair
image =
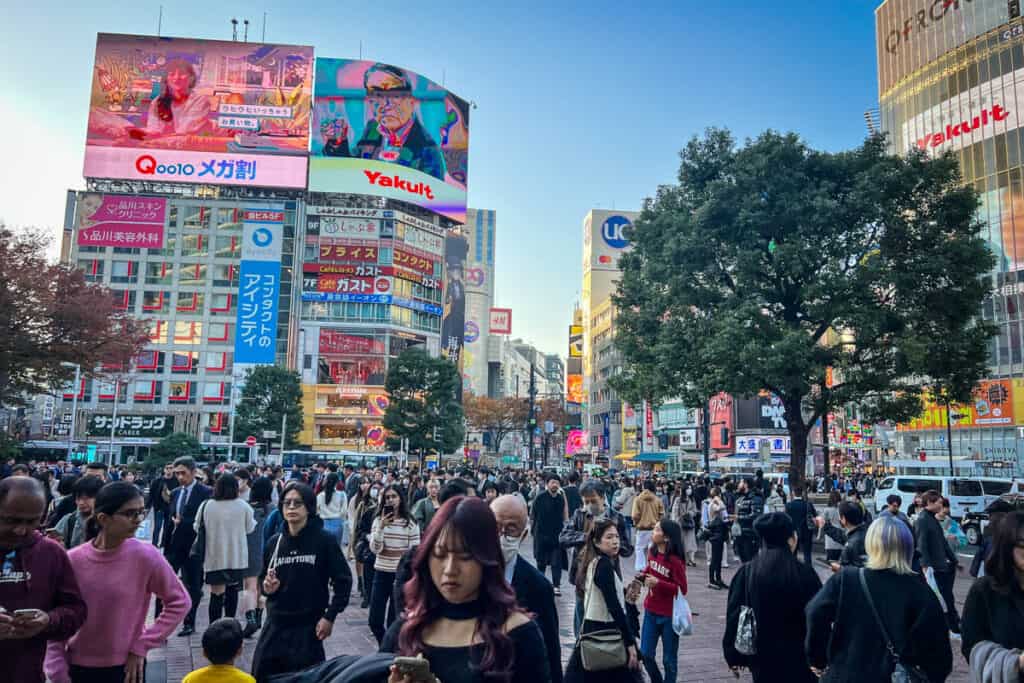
x: 390, y: 543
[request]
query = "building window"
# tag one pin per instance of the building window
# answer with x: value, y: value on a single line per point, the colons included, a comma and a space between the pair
x: 158, y: 332
x: 106, y: 391
x: 192, y: 274
x: 196, y: 217
x: 84, y: 390
x: 225, y: 275
x: 222, y: 304
x: 220, y: 333
x: 158, y: 273
x: 195, y: 245
x: 92, y: 268
x: 216, y: 393
x: 229, y: 220
x: 156, y: 302
x: 150, y: 361
x: 228, y: 246
x: 188, y: 332
x: 184, y: 362
x: 217, y: 361
x: 147, y: 391
x: 124, y: 300
x: 182, y: 392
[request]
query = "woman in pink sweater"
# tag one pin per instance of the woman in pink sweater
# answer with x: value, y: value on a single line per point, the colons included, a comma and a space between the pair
x: 118, y: 575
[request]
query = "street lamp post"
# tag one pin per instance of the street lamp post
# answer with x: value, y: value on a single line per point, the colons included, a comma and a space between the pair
x: 949, y: 436
x: 113, y: 419
x: 74, y: 404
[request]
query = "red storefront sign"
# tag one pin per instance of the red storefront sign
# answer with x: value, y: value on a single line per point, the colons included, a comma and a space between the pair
x: 332, y: 341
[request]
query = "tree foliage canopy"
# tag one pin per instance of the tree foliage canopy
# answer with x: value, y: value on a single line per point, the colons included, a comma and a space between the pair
x: 270, y: 392
x: 497, y: 416
x: 170, y: 447
x: 50, y: 315
x: 423, y: 396
x: 771, y: 264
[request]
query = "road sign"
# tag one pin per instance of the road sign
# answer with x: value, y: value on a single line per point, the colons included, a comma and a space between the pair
x: 269, y: 434
x: 250, y: 441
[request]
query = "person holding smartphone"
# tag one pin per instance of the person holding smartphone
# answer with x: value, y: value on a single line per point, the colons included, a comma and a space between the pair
x: 392, y: 534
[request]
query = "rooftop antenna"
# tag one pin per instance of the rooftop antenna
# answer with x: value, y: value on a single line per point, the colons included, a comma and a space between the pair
x: 245, y: 29
x: 160, y: 21
x: 360, y: 50
x: 263, y: 36
x: 444, y: 77
x: 234, y: 29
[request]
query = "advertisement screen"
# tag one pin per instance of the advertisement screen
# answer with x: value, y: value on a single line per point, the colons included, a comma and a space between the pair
x: 991, y: 406
x: 453, y: 324
x: 575, y: 341
x: 111, y: 220
x: 385, y: 131
x: 205, y: 111
x: 720, y: 414
x: 574, y: 389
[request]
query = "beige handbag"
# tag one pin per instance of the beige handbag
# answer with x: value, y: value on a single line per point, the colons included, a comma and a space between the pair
x: 604, y: 649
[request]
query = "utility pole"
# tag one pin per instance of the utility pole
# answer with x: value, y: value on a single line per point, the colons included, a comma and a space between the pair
x: 705, y: 424
x: 949, y: 438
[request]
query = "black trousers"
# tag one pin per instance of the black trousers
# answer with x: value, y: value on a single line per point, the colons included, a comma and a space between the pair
x: 746, y: 547
x: 551, y: 556
x: 191, y: 570
x: 92, y: 674
x: 382, y: 606
x: 833, y: 555
x: 805, y: 546
x: 944, y: 580
x: 715, y: 572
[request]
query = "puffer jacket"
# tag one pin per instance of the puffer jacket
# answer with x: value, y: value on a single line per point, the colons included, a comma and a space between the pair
x: 647, y: 510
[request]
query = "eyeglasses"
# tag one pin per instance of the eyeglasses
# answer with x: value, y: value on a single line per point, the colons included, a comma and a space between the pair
x: 293, y: 503
x: 137, y: 513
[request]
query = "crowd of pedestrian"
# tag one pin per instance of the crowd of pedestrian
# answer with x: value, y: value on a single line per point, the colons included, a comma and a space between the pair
x: 435, y: 558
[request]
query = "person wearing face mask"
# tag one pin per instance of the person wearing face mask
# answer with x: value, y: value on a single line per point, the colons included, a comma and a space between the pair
x: 533, y: 591
x: 364, y: 514
x: 683, y: 512
x: 574, y: 534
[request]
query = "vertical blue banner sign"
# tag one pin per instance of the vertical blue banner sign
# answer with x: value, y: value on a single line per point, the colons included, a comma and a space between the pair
x: 259, y: 286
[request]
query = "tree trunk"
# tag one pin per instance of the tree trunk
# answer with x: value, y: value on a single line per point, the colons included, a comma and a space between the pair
x: 798, y: 432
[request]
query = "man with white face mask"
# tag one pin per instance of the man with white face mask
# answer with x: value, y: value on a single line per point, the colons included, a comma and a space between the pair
x: 534, y: 592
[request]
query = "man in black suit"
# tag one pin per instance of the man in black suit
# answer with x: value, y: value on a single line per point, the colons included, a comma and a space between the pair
x: 179, y: 535
x: 799, y: 511
x: 534, y: 592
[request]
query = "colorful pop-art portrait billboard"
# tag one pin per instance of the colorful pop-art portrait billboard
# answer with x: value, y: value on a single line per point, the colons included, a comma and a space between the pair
x: 386, y: 131
x: 199, y: 111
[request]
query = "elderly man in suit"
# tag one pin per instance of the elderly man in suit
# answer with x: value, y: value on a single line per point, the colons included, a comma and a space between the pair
x: 180, y: 534
x: 534, y: 592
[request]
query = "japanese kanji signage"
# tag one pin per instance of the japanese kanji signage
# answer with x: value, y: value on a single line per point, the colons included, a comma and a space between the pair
x: 751, y: 445
x: 111, y: 220
x: 139, y: 426
x: 259, y: 286
x: 337, y: 226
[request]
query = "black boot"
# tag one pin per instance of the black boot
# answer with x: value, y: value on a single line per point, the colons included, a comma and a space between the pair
x: 361, y: 591
x: 250, y: 624
x: 231, y: 601
x: 216, y: 607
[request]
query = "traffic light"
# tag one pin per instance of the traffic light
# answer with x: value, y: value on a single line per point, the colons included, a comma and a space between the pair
x: 663, y: 441
x: 725, y: 435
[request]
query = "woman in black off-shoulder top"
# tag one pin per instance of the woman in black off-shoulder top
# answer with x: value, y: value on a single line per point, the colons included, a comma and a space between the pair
x: 460, y: 614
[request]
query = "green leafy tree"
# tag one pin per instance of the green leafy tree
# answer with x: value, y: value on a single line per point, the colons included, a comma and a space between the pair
x: 170, y: 447
x: 270, y: 393
x: 424, y: 406
x: 771, y: 263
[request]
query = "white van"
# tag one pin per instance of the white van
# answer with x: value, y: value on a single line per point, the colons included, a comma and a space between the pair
x: 964, y: 494
x: 993, y: 488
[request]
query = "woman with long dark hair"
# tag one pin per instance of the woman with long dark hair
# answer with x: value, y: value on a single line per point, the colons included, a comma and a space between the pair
x: 178, y: 109
x: 992, y: 631
x: 226, y: 521
x: 332, y: 506
x: 260, y: 494
x: 364, y: 511
x: 392, y: 534
x: 460, y: 613
x: 118, y: 575
x: 777, y: 587
x: 604, y: 605
x: 300, y: 566
x: 664, y: 576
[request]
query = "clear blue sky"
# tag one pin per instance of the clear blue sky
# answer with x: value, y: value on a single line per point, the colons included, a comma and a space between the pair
x: 580, y: 105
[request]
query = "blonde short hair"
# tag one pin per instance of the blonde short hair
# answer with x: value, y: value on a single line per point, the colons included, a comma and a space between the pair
x: 890, y: 545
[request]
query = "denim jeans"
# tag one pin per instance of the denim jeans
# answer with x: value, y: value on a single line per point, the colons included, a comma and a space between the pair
x: 577, y: 617
x: 159, y: 518
x: 656, y: 627
x: 382, y: 607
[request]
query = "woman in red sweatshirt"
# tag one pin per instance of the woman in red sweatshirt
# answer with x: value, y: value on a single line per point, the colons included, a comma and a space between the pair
x: 664, y: 576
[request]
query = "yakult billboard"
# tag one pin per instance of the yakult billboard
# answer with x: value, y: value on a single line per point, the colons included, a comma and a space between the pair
x: 386, y: 131
x: 199, y: 111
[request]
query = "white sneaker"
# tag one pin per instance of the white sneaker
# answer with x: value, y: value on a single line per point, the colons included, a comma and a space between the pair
x: 955, y: 636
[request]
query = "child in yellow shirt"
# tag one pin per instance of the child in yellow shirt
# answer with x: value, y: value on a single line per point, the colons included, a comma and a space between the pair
x: 222, y: 644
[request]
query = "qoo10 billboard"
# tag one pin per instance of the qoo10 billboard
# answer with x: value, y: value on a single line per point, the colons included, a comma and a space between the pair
x: 199, y: 111
x: 385, y: 131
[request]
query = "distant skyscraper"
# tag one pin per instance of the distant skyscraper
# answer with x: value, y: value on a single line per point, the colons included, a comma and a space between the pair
x: 480, y: 231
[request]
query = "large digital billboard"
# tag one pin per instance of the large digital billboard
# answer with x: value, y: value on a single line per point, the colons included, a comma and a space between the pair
x: 115, y: 220
x: 386, y: 131
x: 199, y: 111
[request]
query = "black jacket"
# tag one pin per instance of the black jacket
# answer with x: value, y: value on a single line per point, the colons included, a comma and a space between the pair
x: 749, y: 507
x: 572, y: 536
x: 931, y: 544
x: 993, y: 615
x: 779, y: 589
x: 854, y: 554
x: 842, y: 633
x: 535, y: 594
x: 305, y: 565
x: 572, y: 495
x: 798, y: 510
x: 155, y: 497
x: 178, y: 538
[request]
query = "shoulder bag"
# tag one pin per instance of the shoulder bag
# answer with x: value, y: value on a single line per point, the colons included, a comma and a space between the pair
x: 901, y: 673
x: 746, y: 628
x: 604, y: 649
x: 198, y: 549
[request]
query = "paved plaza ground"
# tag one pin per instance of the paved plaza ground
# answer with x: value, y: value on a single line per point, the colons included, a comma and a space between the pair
x: 700, y: 655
